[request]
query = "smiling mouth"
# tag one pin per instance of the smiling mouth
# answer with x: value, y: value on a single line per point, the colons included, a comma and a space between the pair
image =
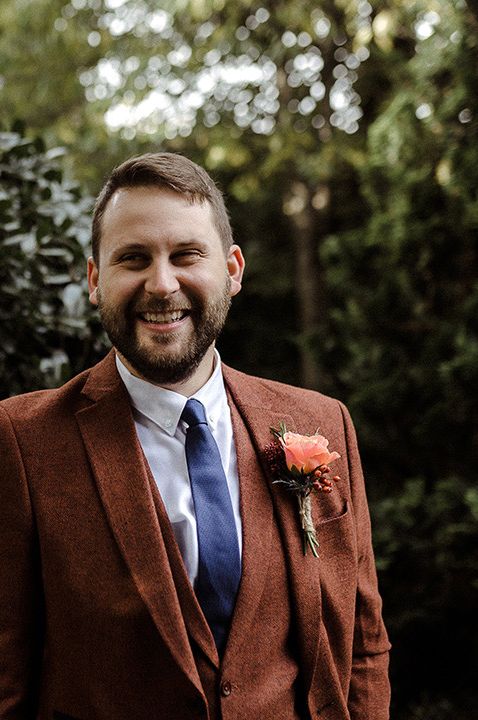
x: 159, y: 318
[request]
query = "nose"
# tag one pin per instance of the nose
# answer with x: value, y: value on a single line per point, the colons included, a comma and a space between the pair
x: 161, y: 279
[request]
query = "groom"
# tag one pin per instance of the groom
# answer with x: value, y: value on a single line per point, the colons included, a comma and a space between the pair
x: 150, y: 568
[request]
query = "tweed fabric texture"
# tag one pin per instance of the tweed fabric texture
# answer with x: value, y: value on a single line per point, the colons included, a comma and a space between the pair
x: 93, y: 621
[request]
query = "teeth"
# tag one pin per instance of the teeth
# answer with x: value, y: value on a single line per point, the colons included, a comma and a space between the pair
x: 163, y: 317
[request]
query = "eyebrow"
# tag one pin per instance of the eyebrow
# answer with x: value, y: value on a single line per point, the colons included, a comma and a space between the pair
x: 130, y: 246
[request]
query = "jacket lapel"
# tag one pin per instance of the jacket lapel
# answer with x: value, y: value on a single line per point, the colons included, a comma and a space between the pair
x: 119, y: 467
x: 256, y: 514
x: 255, y: 408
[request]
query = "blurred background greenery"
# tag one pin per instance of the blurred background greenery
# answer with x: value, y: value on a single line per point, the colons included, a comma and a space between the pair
x: 344, y: 134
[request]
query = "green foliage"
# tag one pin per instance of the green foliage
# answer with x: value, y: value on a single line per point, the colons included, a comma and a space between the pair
x: 425, y: 534
x: 44, y: 233
x: 401, y: 349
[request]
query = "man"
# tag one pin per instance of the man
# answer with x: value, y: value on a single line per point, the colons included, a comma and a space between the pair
x: 150, y: 566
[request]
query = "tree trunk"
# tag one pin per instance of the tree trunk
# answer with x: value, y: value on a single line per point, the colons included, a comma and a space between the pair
x: 307, y: 282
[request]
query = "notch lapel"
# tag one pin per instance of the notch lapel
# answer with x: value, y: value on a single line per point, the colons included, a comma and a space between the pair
x: 256, y: 515
x: 119, y: 467
x: 258, y: 417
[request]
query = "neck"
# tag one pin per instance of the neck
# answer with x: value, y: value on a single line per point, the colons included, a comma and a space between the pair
x: 189, y: 385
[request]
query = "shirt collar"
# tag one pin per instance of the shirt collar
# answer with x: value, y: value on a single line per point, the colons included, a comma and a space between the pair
x: 164, y: 407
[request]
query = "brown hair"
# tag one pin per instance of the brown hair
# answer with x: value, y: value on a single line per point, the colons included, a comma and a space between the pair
x: 168, y: 170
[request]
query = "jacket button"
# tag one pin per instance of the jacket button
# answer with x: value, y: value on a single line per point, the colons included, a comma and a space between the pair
x: 226, y: 688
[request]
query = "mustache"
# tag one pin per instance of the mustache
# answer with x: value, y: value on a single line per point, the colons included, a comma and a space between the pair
x: 160, y: 306
x: 154, y: 306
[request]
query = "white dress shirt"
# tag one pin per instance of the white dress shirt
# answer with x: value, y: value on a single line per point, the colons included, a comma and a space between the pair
x: 162, y: 435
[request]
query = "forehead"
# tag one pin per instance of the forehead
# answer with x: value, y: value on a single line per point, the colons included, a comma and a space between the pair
x: 156, y: 214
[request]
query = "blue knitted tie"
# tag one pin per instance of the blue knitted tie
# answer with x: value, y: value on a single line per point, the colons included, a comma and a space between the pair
x: 219, y: 560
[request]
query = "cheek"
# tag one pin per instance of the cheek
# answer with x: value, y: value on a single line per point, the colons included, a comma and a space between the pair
x: 213, y: 282
x: 119, y: 289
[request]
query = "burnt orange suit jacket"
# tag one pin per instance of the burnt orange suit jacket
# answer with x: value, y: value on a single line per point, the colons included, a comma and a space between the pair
x: 90, y: 625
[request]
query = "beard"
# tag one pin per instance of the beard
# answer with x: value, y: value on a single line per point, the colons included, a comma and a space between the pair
x: 153, y: 361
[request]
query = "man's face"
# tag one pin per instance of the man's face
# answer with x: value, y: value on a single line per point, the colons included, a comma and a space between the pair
x: 163, y: 283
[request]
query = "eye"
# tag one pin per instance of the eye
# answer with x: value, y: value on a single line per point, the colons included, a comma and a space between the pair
x: 133, y: 258
x: 184, y: 257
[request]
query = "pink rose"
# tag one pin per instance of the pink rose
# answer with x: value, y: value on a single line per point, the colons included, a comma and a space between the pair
x: 306, y: 452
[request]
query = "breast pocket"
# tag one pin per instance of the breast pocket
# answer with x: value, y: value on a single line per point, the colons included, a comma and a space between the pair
x: 338, y: 562
x: 341, y: 515
x: 337, y: 538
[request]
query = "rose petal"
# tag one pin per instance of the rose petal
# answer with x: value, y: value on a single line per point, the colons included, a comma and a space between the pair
x: 306, y: 452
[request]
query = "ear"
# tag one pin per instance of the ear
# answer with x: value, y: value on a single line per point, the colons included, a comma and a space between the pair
x: 235, y: 268
x: 92, y: 281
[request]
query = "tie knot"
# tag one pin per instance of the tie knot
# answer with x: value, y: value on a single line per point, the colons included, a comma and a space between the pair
x: 194, y: 413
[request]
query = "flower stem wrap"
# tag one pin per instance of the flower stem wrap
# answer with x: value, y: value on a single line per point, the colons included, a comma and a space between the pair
x: 308, y: 529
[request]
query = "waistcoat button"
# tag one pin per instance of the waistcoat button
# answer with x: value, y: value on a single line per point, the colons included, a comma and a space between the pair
x: 226, y: 688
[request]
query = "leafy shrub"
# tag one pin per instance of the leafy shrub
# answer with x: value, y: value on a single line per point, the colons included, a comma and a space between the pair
x: 44, y: 234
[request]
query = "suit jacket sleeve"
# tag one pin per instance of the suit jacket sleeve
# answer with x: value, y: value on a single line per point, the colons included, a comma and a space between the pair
x: 369, y: 695
x: 20, y: 589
